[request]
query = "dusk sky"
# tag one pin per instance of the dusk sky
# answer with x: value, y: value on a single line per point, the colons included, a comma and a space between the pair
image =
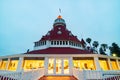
x: 22, y: 22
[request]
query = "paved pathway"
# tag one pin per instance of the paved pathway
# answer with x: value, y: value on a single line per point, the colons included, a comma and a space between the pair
x: 58, y: 78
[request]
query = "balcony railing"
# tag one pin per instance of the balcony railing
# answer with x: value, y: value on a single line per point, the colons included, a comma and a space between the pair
x: 33, y: 74
x: 96, y: 75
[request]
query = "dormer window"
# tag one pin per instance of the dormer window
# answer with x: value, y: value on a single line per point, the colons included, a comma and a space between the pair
x: 48, y: 33
x: 59, y: 32
x: 70, y: 34
x: 59, y: 28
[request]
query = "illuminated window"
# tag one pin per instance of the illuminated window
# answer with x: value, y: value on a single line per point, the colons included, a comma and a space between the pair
x: 3, y: 64
x: 58, y: 66
x: 114, y: 64
x: 50, y: 66
x: 66, y: 66
x: 33, y: 63
x: 84, y: 63
x: 13, y: 65
x: 103, y: 64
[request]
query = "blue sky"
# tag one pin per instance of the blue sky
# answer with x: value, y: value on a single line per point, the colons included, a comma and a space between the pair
x: 23, y: 22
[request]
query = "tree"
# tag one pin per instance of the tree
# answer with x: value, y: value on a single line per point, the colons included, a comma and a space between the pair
x: 103, y: 48
x: 115, y: 49
x: 88, y: 40
x: 101, y: 51
x: 95, y: 45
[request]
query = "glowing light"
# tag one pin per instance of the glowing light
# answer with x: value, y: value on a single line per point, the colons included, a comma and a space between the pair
x: 84, y: 64
x: 114, y: 65
x: 3, y: 65
x: 104, y: 64
x: 13, y: 65
x: 59, y: 17
x: 114, y: 55
x: 33, y: 64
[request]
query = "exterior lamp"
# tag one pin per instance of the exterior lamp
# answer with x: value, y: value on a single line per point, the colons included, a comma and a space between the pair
x: 114, y: 55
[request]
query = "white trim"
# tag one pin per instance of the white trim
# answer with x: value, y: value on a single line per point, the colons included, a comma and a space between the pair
x: 20, y: 64
x: 109, y: 63
x: 118, y: 64
x: 48, y: 44
x: 62, y: 66
x: 97, y: 64
x: 7, y: 65
x: 59, y: 55
x: 46, y: 65
x: 71, y: 66
x: 54, y: 69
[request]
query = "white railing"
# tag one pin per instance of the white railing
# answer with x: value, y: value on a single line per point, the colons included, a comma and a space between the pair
x: 10, y: 75
x: 108, y: 74
x: 33, y: 74
x: 94, y: 74
x: 78, y: 74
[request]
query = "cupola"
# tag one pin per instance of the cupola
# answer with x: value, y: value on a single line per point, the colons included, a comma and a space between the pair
x: 59, y: 21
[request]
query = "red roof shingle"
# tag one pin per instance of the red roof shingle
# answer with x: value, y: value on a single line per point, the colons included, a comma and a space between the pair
x: 60, y: 50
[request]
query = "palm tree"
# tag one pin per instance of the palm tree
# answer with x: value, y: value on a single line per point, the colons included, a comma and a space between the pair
x: 115, y: 49
x: 103, y: 48
x: 88, y: 40
x: 95, y: 45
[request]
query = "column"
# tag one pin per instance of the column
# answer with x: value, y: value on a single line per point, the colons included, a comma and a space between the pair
x: 97, y: 64
x: 46, y: 65
x: 20, y: 64
x: 7, y: 65
x: 109, y: 63
x: 0, y: 63
x: 62, y: 66
x: 70, y: 65
x: 118, y: 64
x: 54, y: 69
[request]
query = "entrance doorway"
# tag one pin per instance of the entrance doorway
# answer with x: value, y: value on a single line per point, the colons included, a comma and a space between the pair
x: 58, y: 66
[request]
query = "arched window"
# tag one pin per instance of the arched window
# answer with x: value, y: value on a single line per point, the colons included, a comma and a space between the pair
x: 45, y: 42
x: 54, y: 42
x: 38, y: 43
x: 57, y: 42
x: 60, y: 42
x: 51, y: 42
x: 72, y: 43
x: 69, y: 42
